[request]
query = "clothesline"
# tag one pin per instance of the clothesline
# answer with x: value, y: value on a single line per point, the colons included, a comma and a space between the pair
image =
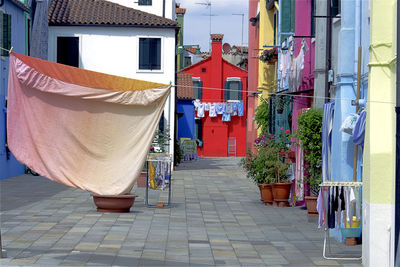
x: 287, y: 94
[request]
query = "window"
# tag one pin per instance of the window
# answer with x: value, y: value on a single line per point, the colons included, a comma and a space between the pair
x: 335, y: 7
x: 68, y: 51
x: 197, y: 88
x: 198, y: 132
x: 145, y: 2
x: 233, y: 89
x: 187, y: 62
x: 5, y: 23
x: 312, y: 18
x: 150, y: 53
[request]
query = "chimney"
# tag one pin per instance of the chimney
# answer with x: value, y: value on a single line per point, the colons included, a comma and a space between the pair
x: 216, y: 45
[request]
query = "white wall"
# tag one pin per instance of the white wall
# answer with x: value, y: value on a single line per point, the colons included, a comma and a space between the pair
x: 156, y: 7
x: 115, y: 50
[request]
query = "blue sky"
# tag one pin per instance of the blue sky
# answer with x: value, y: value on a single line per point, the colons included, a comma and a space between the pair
x: 197, y: 19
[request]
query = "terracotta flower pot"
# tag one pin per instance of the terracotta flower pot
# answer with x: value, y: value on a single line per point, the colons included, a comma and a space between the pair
x: 281, y: 192
x: 311, y: 203
x: 120, y: 203
x: 266, y: 194
x: 142, y: 179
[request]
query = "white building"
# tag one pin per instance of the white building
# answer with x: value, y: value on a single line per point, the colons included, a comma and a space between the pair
x: 111, y: 38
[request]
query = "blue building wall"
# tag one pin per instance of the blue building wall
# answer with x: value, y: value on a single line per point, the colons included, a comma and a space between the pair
x: 354, y: 32
x: 9, y: 166
x: 185, y: 110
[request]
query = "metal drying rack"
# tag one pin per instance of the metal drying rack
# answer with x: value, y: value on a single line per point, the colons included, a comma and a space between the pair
x: 159, y: 158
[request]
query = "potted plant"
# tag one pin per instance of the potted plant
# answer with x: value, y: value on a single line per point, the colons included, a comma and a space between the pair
x: 280, y: 103
x: 279, y: 167
x: 269, y: 55
x: 309, y: 133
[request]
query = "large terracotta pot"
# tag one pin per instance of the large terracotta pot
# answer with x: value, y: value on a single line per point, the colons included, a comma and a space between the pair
x: 266, y: 194
x: 120, y: 203
x: 311, y: 203
x: 281, y: 192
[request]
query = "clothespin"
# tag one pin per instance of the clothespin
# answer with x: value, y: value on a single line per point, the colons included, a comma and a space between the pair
x: 10, y: 50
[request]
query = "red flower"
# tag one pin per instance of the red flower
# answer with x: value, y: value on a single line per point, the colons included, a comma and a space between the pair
x: 287, y: 131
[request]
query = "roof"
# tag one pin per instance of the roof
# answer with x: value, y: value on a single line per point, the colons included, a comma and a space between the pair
x: 217, y: 37
x: 101, y: 12
x: 21, y: 5
x: 192, y: 50
x: 184, y: 86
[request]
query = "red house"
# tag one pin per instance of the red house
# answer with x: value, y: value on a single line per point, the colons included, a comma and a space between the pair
x: 215, y: 80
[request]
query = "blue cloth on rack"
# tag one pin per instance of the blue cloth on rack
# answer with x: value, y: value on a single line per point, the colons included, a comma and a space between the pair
x: 327, y: 125
x: 359, y: 129
x: 240, y: 109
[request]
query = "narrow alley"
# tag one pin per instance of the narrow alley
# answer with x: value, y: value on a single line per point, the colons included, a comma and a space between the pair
x: 216, y: 218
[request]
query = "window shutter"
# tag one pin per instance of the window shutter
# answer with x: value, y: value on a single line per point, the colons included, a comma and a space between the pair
x: 226, y: 92
x: 6, y: 44
x: 200, y: 90
x: 1, y: 30
x: 240, y: 93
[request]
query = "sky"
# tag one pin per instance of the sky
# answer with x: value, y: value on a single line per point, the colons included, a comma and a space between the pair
x: 197, y: 21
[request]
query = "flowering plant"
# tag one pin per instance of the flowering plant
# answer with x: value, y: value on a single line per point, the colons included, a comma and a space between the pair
x: 266, y: 165
x: 269, y: 55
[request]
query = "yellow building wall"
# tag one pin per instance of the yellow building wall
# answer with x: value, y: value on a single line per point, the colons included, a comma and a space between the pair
x: 266, y: 72
x: 379, y: 150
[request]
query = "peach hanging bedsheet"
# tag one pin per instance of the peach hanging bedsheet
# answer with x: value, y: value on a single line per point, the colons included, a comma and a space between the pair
x: 81, y: 128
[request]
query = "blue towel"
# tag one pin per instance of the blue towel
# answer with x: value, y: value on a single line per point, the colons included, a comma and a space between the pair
x: 327, y: 125
x: 240, y: 109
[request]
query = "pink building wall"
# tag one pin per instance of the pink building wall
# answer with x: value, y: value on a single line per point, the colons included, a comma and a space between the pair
x: 251, y: 126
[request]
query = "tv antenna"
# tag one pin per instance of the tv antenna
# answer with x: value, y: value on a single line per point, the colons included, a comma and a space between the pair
x: 240, y: 14
x: 207, y: 3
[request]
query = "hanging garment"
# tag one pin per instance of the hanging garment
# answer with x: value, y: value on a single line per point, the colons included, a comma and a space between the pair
x: 200, y: 110
x: 320, y: 209
x: 206, y: 106
x: 159, y: 172
x: 229, y: 108
x: 196, y: 103
x: 296, y: 70
x: 284, y: 68
x: 359, y: 129
x: 212, y: 112
x: 240, y: 109
x: 327, y: 126
x: 81, y: 128
x: 226, y: 117
x: 331, y: 212
x: 224, y: 107
x: 234, y: 108
x: 219, y: 108
x: 299, y: 189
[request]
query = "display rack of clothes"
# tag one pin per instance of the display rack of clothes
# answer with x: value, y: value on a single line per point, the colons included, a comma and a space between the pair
x: 339, y: 207
x: 158, y: 175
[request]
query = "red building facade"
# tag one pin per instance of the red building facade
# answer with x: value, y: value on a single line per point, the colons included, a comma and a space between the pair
x: 220, y: 82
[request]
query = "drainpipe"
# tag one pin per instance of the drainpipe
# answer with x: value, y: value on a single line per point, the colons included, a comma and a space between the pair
x: 397, y: 109
x: 163, y: 9
x: 328, y: 48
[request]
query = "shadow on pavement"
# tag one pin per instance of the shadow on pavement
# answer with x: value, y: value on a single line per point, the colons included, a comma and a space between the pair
x: 25, y: 189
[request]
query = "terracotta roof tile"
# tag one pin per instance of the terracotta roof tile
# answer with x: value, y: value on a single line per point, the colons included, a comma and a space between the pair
x: 192, y: 50
x: 180, y: 10
x: 217, y: 37
x: 184, y: 86
x: 101, y: 12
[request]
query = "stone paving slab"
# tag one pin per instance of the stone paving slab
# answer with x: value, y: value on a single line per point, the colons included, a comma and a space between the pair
x: 216, y: 219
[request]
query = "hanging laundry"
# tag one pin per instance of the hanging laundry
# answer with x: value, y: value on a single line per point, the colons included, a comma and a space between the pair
x: 224, y: 107
x: 320, y: 209
x: 234, y: 108
x: 206, y: 106
x: 212, y: 112
x: 226, y: 117
x: 359, y: 129
x: 284, y: 68
x: 219, y: 108
x: 200, y: 110
x: 159, y: 172
x: 229, y: 108
x: 196, y: 103
x: 296, y: 69
x: 327, y: 126
x: 98, y: 127
x: 240, y: 109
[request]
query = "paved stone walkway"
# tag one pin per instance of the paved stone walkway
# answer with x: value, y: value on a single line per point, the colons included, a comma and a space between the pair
x: 216, y: 219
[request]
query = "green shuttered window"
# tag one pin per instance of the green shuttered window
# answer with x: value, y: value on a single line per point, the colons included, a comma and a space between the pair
x: 233, y: 89
x: 145, y: 2
x: 6, y: 33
